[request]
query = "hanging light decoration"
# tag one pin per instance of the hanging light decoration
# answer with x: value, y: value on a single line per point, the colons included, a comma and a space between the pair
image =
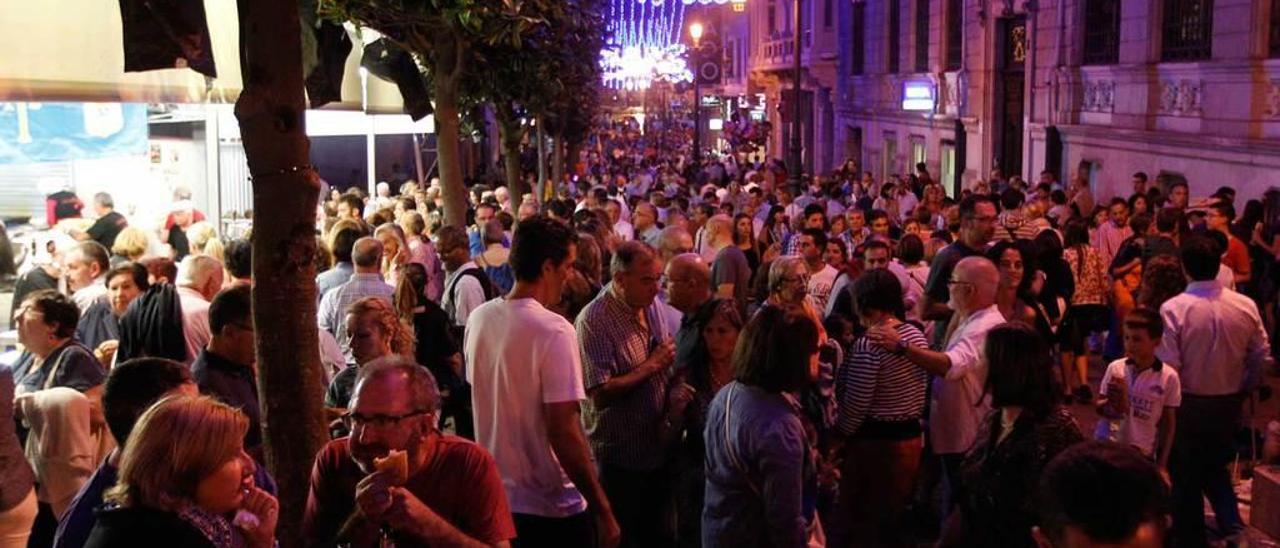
x: 644, y: 44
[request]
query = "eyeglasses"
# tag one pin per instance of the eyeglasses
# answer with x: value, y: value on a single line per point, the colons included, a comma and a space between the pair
x: 352, y: 419
x: 954, y: 282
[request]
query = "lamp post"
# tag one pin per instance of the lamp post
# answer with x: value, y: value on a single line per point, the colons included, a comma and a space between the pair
x: 695, y: 32
x: 795, y: 159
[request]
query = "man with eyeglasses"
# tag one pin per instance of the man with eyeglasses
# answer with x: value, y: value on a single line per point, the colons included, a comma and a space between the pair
x: 225, y: 367
x: 958, y: 400
x: 627, y: 355
x: 451, y: 494
x: 977, y: 226
x: 688, y: 285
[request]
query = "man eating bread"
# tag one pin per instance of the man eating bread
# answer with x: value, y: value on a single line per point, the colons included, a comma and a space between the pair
x: 397, y: 477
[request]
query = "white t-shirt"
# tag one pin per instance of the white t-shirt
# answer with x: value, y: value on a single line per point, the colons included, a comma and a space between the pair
x: 519, y: 356
x: 1150, y: 392
x: 1226, y: 276
x: 820, y: 285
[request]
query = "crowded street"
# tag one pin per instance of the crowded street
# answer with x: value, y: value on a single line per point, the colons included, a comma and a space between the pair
x: 634, y: 273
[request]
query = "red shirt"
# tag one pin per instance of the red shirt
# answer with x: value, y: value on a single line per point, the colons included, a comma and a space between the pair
x: 1237, y: 256
x: 461, y: 484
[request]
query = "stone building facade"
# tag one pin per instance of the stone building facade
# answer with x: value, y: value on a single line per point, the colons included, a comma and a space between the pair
x: 1183, y: 89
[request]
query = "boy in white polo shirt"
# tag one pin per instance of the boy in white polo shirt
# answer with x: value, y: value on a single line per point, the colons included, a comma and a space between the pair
x: 1140, y: 395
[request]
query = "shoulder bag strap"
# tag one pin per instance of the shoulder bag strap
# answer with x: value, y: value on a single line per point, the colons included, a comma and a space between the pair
x: 728, y: 442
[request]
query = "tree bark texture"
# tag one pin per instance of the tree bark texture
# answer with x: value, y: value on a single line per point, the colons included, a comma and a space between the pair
x: 557, y: 160
x: 512, y: 135
x: 446, y: 81
x: 285, y: 192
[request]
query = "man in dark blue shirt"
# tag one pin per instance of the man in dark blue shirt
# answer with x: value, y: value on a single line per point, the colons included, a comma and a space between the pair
x: 224, y: 368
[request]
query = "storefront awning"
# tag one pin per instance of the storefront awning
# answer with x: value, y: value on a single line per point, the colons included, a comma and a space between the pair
x: 71, y: 50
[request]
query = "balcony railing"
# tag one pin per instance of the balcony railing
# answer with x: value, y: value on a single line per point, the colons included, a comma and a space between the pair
x: 778, y: 51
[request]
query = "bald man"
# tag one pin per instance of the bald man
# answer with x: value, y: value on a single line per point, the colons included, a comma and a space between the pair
x: 960, y: 370
x: 730, y: 271
x: 366, y: 281
x: 199, y: 279
x: 688, y: 286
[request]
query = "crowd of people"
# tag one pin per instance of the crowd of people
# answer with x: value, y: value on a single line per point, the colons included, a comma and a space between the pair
x: 666, y: 354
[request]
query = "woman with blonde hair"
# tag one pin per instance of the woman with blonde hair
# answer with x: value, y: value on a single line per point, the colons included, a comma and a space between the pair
x: 395, y: 251
x: 376, y: 330
x: 204, y: 241
x: 185, y: 477
x: 423, y: 252
x: 130, y: 245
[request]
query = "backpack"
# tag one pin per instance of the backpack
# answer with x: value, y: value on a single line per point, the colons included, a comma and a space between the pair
x: 485, y: 285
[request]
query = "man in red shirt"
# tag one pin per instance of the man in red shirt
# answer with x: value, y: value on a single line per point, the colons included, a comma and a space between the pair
x: 451, y: 495
x: 1219, y: 218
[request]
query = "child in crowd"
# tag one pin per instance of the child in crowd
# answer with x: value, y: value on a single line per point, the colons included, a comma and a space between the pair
x: 1140, y: 395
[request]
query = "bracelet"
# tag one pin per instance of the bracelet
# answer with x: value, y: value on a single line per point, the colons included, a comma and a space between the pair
x: 285, y: 171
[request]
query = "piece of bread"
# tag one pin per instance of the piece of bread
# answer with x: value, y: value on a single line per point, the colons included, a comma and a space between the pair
x: 396, y: 464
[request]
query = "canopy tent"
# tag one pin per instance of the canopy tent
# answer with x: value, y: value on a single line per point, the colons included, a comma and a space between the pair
x: 71, y: 50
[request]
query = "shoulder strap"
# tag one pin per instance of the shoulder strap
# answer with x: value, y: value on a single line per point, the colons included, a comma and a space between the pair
x: 486, y: 286
x: 57, y: 365
x: 728, y: 441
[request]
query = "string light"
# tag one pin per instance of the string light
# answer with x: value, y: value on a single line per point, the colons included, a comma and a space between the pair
x: 645, y: 43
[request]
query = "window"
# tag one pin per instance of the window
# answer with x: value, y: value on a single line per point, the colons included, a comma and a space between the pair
x: 1275, y: 28
x: 890, y: 156
x: 948, y: 171
x: 917, y: 151
x: 895, y: 34
x: 955, y: 33
x: 1187, y: 30
x: 1102, y: 32
x: 922, y: 35
x: 858, y: 57
x: 773, y: 17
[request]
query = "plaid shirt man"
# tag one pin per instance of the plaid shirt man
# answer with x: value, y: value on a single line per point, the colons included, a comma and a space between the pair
x: 334, y: 304
x: 614, y: 343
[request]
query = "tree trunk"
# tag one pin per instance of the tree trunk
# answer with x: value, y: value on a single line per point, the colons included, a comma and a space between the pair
x: 270, y: 111
x: 512, y: 135
x: 572, y: 150
x: 557, y: 160
x: 542, y: 154
x: 448, y: 122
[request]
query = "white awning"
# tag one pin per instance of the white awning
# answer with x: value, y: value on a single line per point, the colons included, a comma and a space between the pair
x: 71, y: 50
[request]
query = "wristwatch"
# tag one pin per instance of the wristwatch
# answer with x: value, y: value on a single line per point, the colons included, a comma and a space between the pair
x: 901, y: 347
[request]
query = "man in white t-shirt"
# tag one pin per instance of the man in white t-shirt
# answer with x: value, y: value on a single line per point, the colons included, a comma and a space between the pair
x: 526, y: 376
x: 1139, y: 394
x: 822, y: 277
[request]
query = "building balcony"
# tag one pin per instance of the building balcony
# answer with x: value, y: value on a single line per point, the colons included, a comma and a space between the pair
x: 777, y: 52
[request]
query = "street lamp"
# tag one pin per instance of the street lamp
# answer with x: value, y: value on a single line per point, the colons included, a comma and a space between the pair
x: 695, y: 32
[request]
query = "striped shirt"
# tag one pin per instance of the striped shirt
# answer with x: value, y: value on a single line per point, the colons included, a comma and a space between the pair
x: 613, y: 343
x: 334, y: 304
x: 875, y: 384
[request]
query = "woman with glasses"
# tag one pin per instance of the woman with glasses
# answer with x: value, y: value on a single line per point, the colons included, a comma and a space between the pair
x: 759, y: 466
x: 185, y: 480
x: 686, y: 416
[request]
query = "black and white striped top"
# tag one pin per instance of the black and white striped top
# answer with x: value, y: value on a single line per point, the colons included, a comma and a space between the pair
x: 877, y: 385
